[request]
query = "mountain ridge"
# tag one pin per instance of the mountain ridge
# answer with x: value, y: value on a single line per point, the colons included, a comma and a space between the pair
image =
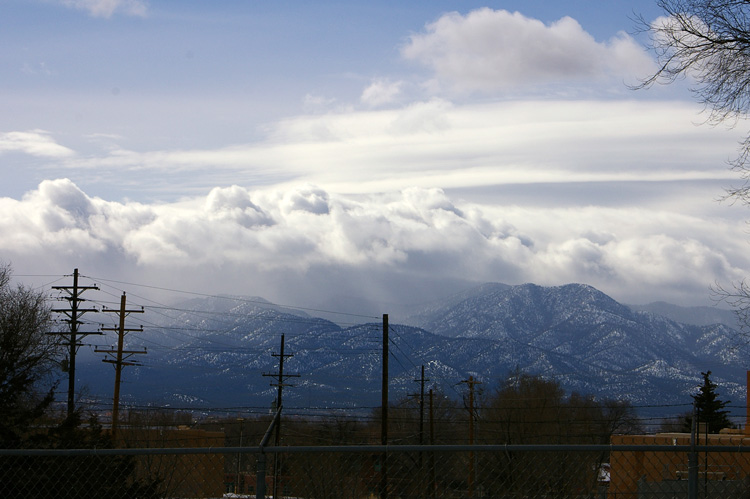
x: 573, y: 333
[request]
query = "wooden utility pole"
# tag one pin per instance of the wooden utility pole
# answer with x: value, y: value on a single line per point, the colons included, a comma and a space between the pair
x: 280, y: 383
x: 279, y: 387
x: 471, y: 382
x: 237, y: 487
x: 384, y: 413
x: 433, y: 480
x: 73, y: 315
x: 421, y: 381
x: 120, y: 357
x: 420, y: 396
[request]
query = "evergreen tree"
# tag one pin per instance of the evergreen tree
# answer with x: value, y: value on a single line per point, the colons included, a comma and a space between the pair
x: 709, y: 407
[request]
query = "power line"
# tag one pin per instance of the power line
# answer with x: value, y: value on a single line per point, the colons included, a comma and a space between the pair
x: 236, y: 299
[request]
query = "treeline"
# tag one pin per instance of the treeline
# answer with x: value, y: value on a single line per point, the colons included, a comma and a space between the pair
x: 523, y: 409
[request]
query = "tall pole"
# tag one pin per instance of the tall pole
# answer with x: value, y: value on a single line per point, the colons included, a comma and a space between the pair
x: 120, y: 357
x: 433, y: 485
x: 421, y: 380
x: 237, y: 487
x: 72, y: 346
x: 471, y: 435
x: 471, y: 384
x: 118, y: 368
x: 74, y: 314
x: 279, y: 387
x: 384, y: 413
x: 277, y: 436
x: 421, y: 408
x: 693, y: 456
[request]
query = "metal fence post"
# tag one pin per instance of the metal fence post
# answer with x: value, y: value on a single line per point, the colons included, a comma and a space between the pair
x: 693, y: 457
x: 260, y: 477
x: 260, y: 471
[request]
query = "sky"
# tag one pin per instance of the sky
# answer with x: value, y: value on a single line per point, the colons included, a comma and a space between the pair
x: 329, y: 153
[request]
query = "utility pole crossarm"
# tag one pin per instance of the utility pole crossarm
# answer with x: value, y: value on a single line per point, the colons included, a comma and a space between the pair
x: 123, y: 363
x: 80, y: 334
x: 66, y: 311
x: 74, y: 287
x: 125, y: 354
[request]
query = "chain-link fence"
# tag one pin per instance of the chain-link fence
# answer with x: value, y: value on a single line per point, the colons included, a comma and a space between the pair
x: 522, y: 471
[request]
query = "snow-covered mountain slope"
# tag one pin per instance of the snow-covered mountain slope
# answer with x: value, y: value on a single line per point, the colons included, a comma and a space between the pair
x: 214, y: 352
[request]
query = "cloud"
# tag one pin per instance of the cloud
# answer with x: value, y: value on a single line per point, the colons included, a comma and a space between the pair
x: 107, y: 8
x: 424, y: 144
x: 326, y: 242
x: 490, y: 50
x: 34, y: 143
x: 381, y: 91
x: 234, y: 203
x: 437, y: 143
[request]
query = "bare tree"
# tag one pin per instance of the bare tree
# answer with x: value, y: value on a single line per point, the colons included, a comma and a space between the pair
x: 27, y: 357
x: 708, y: 41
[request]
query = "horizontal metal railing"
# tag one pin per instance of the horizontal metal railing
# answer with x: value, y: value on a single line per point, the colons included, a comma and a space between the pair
x: 530, y: 470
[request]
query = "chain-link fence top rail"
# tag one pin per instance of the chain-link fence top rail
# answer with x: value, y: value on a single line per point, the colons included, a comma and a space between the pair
x: 441, y: 471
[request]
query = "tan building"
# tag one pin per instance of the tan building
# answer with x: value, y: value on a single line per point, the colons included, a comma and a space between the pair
x: 663, y: 467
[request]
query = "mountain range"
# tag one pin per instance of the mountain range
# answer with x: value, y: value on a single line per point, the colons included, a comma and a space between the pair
x: 221, y: 352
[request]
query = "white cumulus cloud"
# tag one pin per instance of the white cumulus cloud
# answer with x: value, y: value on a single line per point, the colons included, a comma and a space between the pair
x: 488, y: 50
x: 327, y: 242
